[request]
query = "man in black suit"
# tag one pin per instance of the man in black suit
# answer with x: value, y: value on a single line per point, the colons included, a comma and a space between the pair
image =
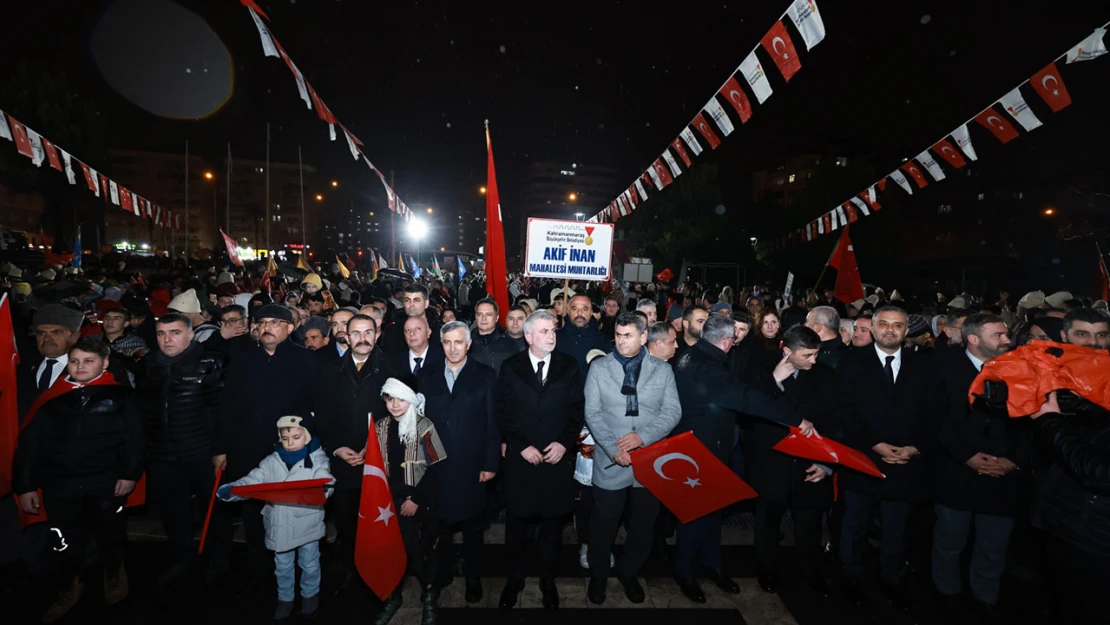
x: 540, y: 409
x: 419, y: 351
x: 887, y: 411
x: 975, y: 473
x: 786, y: 482
x: 459, y: 399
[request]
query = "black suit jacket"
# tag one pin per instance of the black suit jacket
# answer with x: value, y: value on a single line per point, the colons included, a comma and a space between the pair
x: 906, y: 413
x: 434, y: 359
x: 465, y: 420
x: 533, y: 415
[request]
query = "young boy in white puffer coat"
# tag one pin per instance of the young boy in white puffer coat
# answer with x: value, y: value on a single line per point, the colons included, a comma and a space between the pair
x: 293, y: 531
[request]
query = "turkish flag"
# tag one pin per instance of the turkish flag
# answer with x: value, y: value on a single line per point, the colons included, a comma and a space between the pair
x: 681, y: 149
x: 696, y: 484
x: 1102, y: 283
x: 9, y: 407
x: 496, y: 266
x: 945, y: 150
x: 232, y: 249
x: 778, y: 44
x: 661, y: 171
x: 826, y: 220
x: 992, y: 121
x: 379, y: 551
x: 851, y: 210
x: 826, y: 450
x: 90, y: 178
x: 297, y: 492
x: 19, y: 135
x: 866, y: 197
x: 737, y: 98
x: 51, y: 154
x: 915, y: 172
x: 849, y: 287
x: 126, y: 202
x: 706, y: 131
x: 881, y: 184
x: 321, y: 109
x: 1050, y: 87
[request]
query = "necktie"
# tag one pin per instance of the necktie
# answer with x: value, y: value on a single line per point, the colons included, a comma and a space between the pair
x: 47, y: 374
x: 539, y: 372
x: 889, y: 368
x: 416, y: 368
x: 358, y: 365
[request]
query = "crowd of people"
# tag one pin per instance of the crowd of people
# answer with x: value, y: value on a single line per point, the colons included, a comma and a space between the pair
x: 190, y: 375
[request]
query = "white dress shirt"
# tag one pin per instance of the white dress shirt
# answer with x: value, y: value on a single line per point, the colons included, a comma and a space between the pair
x: 546, y: 360
x: 975, y: 361
x: 59, y: 369
x: 423, y: 356
x: 896, y: 364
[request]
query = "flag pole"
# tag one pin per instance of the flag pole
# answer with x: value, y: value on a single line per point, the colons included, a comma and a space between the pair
x: 304, y: 226
x: 267, y: 189
x: 227, y: 205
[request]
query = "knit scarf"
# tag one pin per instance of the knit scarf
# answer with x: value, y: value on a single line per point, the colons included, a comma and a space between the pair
x: 291, y: 458
x: 631, y: 376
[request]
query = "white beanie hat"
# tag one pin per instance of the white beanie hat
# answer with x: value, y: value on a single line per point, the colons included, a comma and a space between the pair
x: 186, y: 302
x: 293, y: 421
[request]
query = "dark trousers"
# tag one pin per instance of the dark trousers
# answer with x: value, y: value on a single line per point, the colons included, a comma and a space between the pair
x: 343, y: 508
x: 77, y: 514
x: 419, y: 533
x: 807, y: 536
x: 609, y: 507
x: 1078, y: 582
x: 548, y: 539
x: 699, y: 539
x: 172, y: 487
x: 858, y: 509
x: 473, y: 534
x: 260, y: 561
x: 583, y: 511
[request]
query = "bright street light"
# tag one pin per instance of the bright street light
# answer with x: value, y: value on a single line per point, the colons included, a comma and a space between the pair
x: 319, y: 197
x: 208, y: 175
x: 418, y: 229
x: 429, y: 210
x: 482, y: 190
x: 335, y: 183
x: 1048, y: 212
x: 572, y: 197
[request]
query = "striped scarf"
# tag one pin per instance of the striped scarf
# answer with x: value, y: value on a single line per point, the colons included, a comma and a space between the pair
x: 418, y: 457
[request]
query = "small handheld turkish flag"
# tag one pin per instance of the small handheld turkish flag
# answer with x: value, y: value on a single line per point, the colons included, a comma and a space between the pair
x: 687, y: 477
x: 232, y: 249
x: 823, y: 449
x: 296, y: 492
x: 379, y: 551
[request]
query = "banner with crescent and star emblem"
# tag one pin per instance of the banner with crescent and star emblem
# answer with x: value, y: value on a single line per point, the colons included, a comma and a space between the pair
x: 1048, y: 84
x: 379, y: 551
x: 687, y: 478
x: 778, y: 44
x: 945, y: 150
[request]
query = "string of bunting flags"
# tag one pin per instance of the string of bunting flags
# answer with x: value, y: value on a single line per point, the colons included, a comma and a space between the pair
x: 780, y: 47
x: 1047, y: 83
x: 40, y: 149
x: 271, y: 47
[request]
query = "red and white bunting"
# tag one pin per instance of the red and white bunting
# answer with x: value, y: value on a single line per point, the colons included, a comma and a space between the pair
x: 753, y: 72
x: 737, y: 98
x: 840, y: 214
x: 68, y: 160
x: 807, y: 19
x: 869, y: 197
x: 302, y: 86
x: 352, y: 142
x: 999, y: 127
x: 945, y: 150
x: 1015, y: 105
x: 92, y: 177
x: 51, y: 154
x: 1089, y: 49
x: 677, y: 146
x: 901, y: 180
x: 707, y: 133
x: 264, y: 33
x: 915, y: 172
x: 692, y: 141
x: 1048, y: 84
x: 639, y: 184
x: 113, y: 191
x: 675, y: 171
x: 778, y: 44
x: 38, y: 153
x: 19, y: 136
x: 5, y: 130
x: 717, y: 112
x: 850, y: 209
x: 860, y: 205
x: 930, y: 164
x: 125, y: 202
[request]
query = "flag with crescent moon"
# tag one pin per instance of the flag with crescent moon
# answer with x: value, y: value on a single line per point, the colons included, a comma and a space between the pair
x: 702, y: 126
x: 778, y: 44
x: 822, y: 449
x: 732, y: 92
x: 999, y: 127
x: 687, y: 478
x: 379, y: 550
x: 849, y: 285
x: 945, y: 150
x: 1048, y: 84
x: 915, y: 172
x: 296, y: 492
x: 496, y: 270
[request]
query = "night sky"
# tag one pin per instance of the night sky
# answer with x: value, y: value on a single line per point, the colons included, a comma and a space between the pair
x: 608, y: 83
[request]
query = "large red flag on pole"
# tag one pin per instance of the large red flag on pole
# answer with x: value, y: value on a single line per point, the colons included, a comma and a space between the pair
x: 497, y: 283
x: 9, y: 408
x: 849, y: 287
x: 1102, y: 283
x: 379, y: 550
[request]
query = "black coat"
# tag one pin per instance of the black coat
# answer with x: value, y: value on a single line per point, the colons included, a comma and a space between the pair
x: 777, y: 477
x: 831, y: 352
x: 178, y: 402
x: 27, y: 382
x: 492, y: 349
x: 578, y: 342
x: 434, y: 359
x: 467, y: 426
x: 964, y: 431
x: 345, y: 399
x: 260, y: 389
x: 712, y: 397
x: 531, y: 415
x: 87, y: 438
x: 872, y: 412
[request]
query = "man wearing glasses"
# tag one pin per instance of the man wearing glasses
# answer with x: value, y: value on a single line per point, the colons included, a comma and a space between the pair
x: 265, y: 380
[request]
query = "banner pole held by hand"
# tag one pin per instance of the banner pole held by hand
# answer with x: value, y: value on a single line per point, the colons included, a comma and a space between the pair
x: 208, y: 515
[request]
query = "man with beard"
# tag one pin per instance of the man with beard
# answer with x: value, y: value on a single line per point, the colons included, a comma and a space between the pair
x: 490, y: 344
x: 887, y: 412
x: 581, y: 335
x: 693, y: 318
x: 348, y: 395
x: 976, y: 475
x: 338, y: 343
x: 861, y: 333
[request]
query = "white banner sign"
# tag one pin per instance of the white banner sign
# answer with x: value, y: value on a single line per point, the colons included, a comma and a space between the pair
x: 568, y: 249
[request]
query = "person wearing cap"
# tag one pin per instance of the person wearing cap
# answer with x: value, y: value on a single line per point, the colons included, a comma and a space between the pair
x: 293, y: 531
x: 721, y: 308
x: 56, y: 329
x: 243, y: 433
x: 631, y: 402
x: 188, y: 304
x: 918, y: 337
x: 312, y: 284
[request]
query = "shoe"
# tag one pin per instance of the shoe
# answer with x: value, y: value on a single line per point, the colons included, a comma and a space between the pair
x: 115, y: 586
x: 595, y: 592
x: 67, y: 598
x: 898, y: 595
x: 550, y: 594
x: 853, y: 595
x: 769, y: 582
x: 283, y: 612
x: 632, y: 589
x: 583, y: 559
x: 473, y: 590
x: 818, y: 585
x: 309, y: 605
x: 429, y: 599
x: 389, y: 608
x: 509, y: 595
x: 724, y: 583
x: 690, y: 589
